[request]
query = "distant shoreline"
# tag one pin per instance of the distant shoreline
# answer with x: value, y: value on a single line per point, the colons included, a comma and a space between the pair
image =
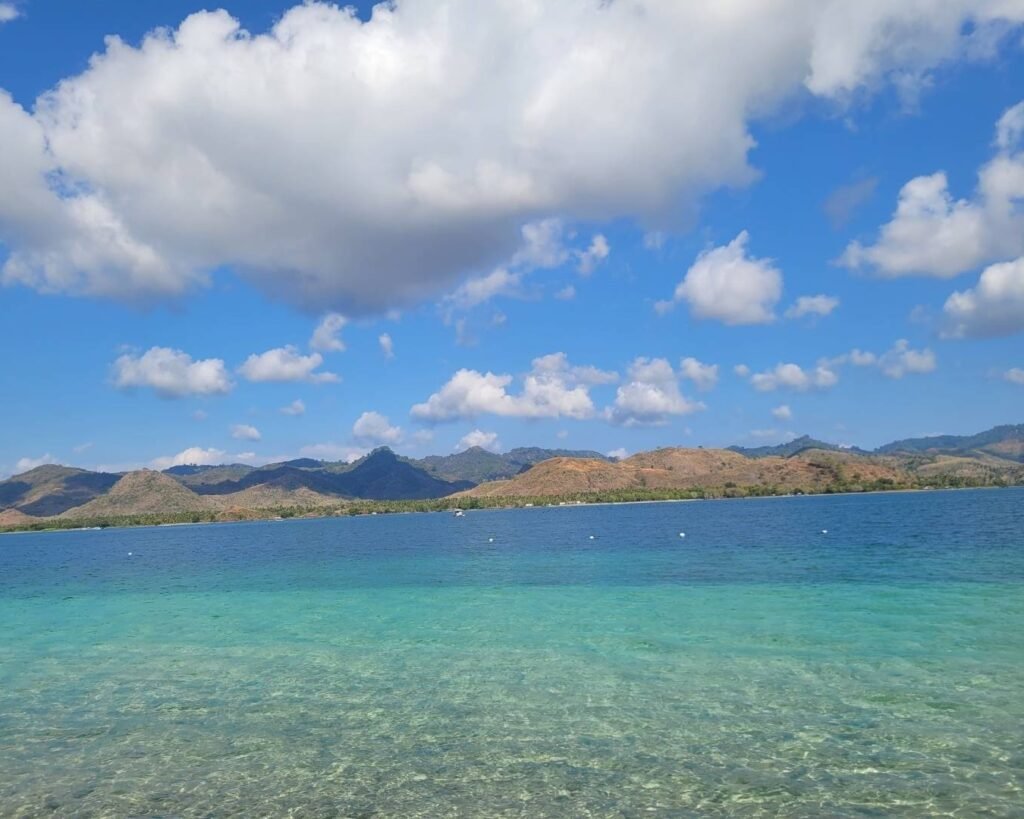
x: 90, y: 526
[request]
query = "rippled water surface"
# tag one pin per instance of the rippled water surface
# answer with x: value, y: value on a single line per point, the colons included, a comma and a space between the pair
x: 413, y: 666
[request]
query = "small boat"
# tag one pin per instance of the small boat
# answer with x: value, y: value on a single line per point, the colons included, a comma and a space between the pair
x: 458, y: 513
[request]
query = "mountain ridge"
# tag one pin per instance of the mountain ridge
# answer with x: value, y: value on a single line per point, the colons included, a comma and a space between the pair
x: 993, y: 457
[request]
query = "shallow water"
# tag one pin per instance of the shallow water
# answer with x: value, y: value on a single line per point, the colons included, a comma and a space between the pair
x: 409, y: 666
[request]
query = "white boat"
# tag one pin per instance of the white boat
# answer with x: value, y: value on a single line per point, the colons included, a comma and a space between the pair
x: 459, y: 513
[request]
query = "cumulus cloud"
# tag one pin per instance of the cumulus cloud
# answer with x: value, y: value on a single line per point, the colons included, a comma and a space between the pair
x: 650, y: 395
x: 742, y: 370
x: 330, y: 451
x: 899, y: 360
x: 1015, y: 375
x: 25, y: 464
x: 245, y: 432
x: 499, y: 282
x: 933, y: 234
x: 193, y: 456
x: 387, y: 345
x: 994, y: 307
x: 285, y: 364
x: 727, y: 285
x: 552, y: 389
x: 567, y: 293
x: 704, y: 376
x: 902, y: 360
x: 8, y: 12
x: 794, y: 377
x: 472, y: 121
x: 484, y: 440
x: 596, y: 252
x: 296, y: 407
x: 327, y: 335
x: 783, y: 412
x: 812, y: 306
x: 171, y: 373
x: 374, y: 429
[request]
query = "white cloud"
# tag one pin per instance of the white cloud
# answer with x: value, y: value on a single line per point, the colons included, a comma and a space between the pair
x: 1015, y: 375
x: 619, y: 453
x: 543, y: 245
x: 193, y: 456
x: 812, y: 306
x: 896, y: 362
x: 727, y: 285
x: 80, y: 448
x: 476, y: 291
x: 742, y: 370
x: 783, y: 412
x: 285, y: 364
x: 373, y: 429
x: 933, y: 234
x: 387, y: 345
x: 901, y: 360
x: 296, y: 407
x: 794, y: 377
x: 1010, y: 128
x: 245, y: 432
x: 326, y: 337
x: 552, y: 389
x: 595, y: 253
x: 25, y: 464
x: 200, y: 415
x: 172, y: 373
x: 650, y: 395
x: 994, y: 307
x: 331, y: 451
x: 567, y: 293
x: 860, y: 358
x: 8, y: 12
x: 704, y: 376
x: 472, y: 120
x: 484, y: 440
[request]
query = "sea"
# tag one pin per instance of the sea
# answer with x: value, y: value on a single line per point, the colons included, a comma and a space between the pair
x: 853, y: 655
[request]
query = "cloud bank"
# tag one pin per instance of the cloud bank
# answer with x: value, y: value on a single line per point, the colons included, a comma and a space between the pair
x: 350, y: 165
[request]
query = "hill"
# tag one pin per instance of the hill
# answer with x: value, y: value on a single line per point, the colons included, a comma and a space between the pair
x: 381, y: 475
x: 719, y: 470
x: 1004, y: 442
x: 141, y: 493
x: 51, y: 489
x: 794, y: 447
x: 478, y: 465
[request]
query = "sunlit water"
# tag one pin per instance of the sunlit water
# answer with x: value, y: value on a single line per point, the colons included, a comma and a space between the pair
x: 411, y: 666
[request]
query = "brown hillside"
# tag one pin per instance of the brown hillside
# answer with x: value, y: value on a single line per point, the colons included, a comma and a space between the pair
x: 688, y: 468
x: 270, y: 497
x: 12, y: 517
x: 141, y: 493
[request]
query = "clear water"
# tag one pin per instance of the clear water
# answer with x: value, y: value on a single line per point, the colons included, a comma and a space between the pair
x: 411, y: 666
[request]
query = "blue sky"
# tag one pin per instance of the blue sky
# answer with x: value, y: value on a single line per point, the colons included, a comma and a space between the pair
x: 561, y: 235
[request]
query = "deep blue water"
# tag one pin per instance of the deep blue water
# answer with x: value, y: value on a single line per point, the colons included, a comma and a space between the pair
x: 508, y: 663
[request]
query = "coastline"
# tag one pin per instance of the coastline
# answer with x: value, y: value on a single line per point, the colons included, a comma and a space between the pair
x: 447, y: 505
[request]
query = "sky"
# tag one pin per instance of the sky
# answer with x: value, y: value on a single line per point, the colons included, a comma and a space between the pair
x: 270, y: 231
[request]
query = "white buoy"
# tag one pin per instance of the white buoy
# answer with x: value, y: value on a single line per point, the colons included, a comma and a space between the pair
x: 824, y: 531
x: 490, y: 540
x: 591, y: 537
x: 682, y: 534
x: 129, y: 554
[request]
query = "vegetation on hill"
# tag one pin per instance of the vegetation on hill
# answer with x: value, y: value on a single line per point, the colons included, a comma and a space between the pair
x: 56, y: 496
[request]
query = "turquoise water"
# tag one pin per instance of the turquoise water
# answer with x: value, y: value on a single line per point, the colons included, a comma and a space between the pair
x: 411, y: 666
